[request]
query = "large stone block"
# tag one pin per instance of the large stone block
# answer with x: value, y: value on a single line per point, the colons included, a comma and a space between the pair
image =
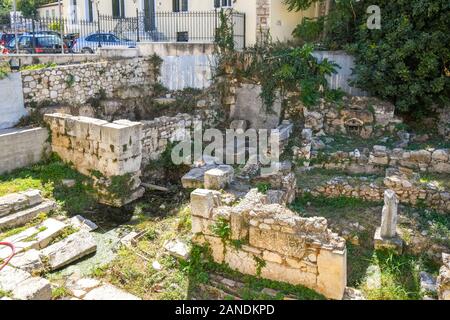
x: 70, y: 249
x: 240, y: 260
x: 202, y: 203
x: 277, y: 272
x: 285, y: 243
x: 219, y: 178
x: 332, y: 273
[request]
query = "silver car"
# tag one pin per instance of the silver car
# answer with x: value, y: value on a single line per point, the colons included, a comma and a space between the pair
x: 90, y: 43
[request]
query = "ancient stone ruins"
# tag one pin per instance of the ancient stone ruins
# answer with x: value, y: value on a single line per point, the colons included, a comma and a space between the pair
x: 93, y: 207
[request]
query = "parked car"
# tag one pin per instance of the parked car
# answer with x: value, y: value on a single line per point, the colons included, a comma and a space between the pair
x: 71, y: 38
x: 90, y: 43
x: 42, y: 44
x: 5, y: 38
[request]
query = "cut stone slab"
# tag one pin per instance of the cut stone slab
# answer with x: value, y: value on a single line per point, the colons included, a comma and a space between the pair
x: 177, y: 249
x: 33, y: 289
x: 18, y: 201
x: 109, y: 292
x: 70, y: 249
x: 219, y: 178
x: 195, y: 178
x: 82, y: 223
x: 37, y: 237
x: 10, y: 278
x: 28, y: 261
x: 79, y: 288
x: 23, y: 217
x: 12, y: 203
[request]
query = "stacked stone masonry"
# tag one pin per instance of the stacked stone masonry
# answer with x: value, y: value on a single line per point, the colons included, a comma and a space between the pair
x: 275, y: 243
x: 76, y: 84
x: 377, y: 160
x: 102, y: 150
x: 361, y: 116
x: 408, y: 191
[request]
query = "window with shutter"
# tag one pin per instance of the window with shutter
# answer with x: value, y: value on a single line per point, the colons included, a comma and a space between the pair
x: 223, y: 3
x: 180, y: 6
x: 118, y: 8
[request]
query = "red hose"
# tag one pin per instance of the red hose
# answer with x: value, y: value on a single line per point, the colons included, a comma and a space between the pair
x: 13, y: 252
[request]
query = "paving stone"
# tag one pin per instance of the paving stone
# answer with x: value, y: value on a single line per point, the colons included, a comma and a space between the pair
x: 70, y: 249
x: 11, y: 277
x: 37, y: 237
x: 109, y: 292
x: 33, y: 289
x: 23, y: 217
x: 28, y: 261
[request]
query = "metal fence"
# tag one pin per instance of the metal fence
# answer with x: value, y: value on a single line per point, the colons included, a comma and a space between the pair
x: 199, y: 27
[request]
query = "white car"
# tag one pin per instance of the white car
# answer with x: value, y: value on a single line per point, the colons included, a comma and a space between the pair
x: 90, y: 43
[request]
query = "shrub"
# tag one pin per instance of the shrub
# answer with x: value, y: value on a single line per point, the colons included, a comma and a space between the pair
x: 406, y: 62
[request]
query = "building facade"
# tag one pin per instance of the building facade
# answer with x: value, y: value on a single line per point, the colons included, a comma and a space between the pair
x: 261, y: 16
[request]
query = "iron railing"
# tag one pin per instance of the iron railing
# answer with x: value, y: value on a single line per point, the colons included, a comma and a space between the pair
x: 198, y: 27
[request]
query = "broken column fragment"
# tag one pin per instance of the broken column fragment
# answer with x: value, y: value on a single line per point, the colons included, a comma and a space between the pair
x: 386, y: 236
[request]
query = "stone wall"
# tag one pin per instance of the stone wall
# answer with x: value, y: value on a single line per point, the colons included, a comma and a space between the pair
x: 22, y: 147
x: 157, y: 133
x: 111, y: 153
x: 380, y: 158
x: 443, y: 280
x: 407, y: 190
x: 360, y: 116
x: 76, y: 84
x: 270, y: 241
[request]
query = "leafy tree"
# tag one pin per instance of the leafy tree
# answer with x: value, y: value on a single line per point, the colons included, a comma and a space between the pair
x: 406, y: 62
x: 5, y: 7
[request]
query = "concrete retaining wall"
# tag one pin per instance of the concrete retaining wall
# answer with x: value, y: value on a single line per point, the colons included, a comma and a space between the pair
x: 22, y: 147
x: 29, y: 59
x: 344, y: 74
x: 11, y: 101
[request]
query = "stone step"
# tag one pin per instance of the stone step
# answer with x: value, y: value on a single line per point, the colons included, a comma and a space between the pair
x: 23, y: 217
x: 23, y: 286
x: 15, y: 202
x: 72, y: 248
x: 36, y: 237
